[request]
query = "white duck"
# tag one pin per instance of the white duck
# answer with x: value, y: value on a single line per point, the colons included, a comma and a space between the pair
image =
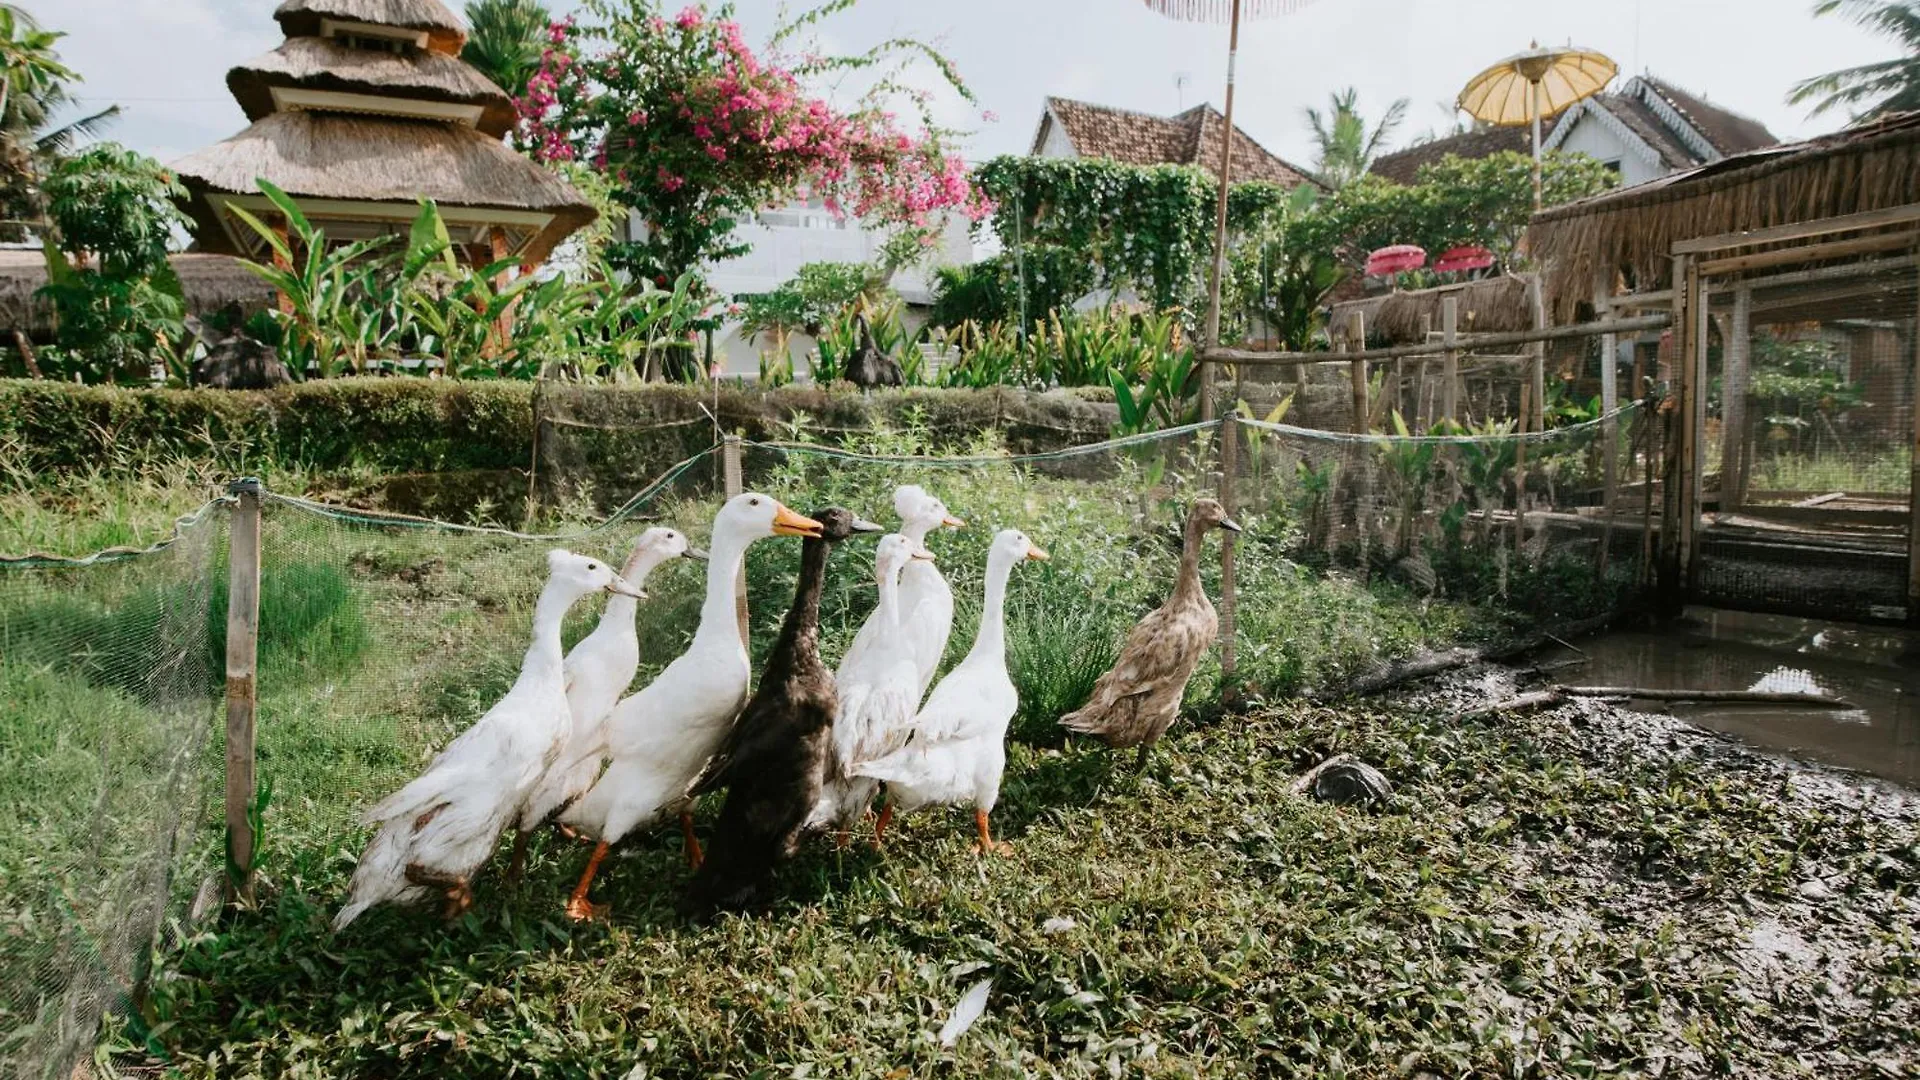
x: 598, y: 671
x: 957, y: 751
x: 661, y: 738
x: 878, y: 688
x: 439, y: 830
x: 926, y: 603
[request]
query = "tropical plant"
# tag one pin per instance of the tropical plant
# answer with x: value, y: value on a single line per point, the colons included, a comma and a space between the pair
x: 1345, y: 142
x: 505, y: 39
x: 1409, y: 463
x: 698, y: 132
x: 973, y: 292
x: 1884, y: 86
x: 1283, y: 282
x: 116, y: 301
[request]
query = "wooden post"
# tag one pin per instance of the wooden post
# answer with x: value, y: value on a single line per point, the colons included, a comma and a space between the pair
x: 1696, y: 363
x: 1229, y: 599
x: 1735, y: 454
x: 243, y: 627
x: 1676, y: 503
x: 1913, y: 493
x: 1520, y: 470
x: 1357, y: 369
x: 503, y: 326
x: 1450, y: 366
x: 731, y: 475
x: 1609, y: 430
x: 1539, y: 351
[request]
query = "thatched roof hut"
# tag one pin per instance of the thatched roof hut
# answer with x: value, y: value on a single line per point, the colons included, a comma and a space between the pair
x: 1491, y: 305
x: 209, y: 282
x: 1632, y: 231
x: 365, y: 110
x: 308, y: 18
x: 320, y: 66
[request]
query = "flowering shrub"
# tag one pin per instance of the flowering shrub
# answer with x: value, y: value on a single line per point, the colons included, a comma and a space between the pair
x: 696, y: 132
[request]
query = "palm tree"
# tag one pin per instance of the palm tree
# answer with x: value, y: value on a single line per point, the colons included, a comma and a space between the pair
x: 1873, y: 89
x: 33, y: 88
x: 1347, y: 144
x: 504, y: 40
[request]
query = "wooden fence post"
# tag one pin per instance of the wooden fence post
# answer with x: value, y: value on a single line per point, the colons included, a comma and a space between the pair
x: 1609, y: 430
x: 1735, y: 454
x: 1357, y: 369
x: 1229, y: 599
x: 243, y: 627
x: 1538, y: 376
x: 1450, y: 365
x: 731, y: 475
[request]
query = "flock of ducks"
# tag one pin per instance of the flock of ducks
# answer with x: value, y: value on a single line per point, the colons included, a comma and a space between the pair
x: 809, y: 752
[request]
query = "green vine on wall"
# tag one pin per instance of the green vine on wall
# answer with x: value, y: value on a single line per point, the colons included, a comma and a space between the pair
x: 1090, y: 223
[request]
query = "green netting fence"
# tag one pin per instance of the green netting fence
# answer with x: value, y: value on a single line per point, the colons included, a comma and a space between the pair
x: 381, y: 637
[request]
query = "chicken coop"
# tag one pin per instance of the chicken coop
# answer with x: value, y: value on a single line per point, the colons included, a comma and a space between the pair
x: 1786, y: 372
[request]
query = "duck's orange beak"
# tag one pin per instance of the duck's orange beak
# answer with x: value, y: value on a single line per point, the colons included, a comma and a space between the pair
x: 1036, y: 554
x: 788, y: 523
x: 952, y: 522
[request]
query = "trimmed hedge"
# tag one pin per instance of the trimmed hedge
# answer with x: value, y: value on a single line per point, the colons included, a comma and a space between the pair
x: 408, y: 425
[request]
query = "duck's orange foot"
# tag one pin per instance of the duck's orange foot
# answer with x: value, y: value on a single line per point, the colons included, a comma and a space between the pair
x: 579, y: 909
x: 459, y: 899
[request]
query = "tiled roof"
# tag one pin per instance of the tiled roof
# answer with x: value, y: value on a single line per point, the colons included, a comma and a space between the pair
x: 1188, y: 138
x: 1401, y: 165
x: 1729, y: 132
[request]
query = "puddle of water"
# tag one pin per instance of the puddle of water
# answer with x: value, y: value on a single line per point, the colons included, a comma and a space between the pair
x: 1876, y: 669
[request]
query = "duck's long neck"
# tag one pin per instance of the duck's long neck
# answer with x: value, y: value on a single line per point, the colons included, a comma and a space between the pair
x: 621, y: 607
x: 888, y: 609
x: 800, y: 634
x: 1187, y: 582
x: 719, y: 616
x: 917, y: 529
x: 991, y: 640
x: 544, y: 656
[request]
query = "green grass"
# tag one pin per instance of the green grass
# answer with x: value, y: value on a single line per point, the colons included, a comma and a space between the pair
x: 379, y: 645
x: 1535, y: 901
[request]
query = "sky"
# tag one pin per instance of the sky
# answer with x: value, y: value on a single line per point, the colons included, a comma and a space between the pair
x: 164, y: 61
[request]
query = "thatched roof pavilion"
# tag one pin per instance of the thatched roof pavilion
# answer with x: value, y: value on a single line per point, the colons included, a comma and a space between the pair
x: 1632, y: 231
x: 364, y: 110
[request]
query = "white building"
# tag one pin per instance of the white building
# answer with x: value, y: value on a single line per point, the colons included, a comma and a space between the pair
x: 1649, y: 128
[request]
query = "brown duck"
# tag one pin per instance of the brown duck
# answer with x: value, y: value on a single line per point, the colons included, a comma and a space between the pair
x: 1135, y: 702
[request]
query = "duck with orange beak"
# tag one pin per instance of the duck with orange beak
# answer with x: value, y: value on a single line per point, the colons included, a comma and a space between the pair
x: 661, y: 738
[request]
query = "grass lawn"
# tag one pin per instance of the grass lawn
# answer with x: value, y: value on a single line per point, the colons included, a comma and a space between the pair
x: 1582, y: 892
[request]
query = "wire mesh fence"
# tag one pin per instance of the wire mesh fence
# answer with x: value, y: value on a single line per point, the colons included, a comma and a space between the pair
x: 382, y: 637
x: 1807, y: 441
x: 108, y: 677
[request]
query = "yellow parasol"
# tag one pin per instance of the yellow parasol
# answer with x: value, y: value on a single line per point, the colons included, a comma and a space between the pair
x: 1229, y: 12
x: 1539, y: 82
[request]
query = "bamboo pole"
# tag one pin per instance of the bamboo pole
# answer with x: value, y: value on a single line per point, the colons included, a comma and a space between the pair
x: 1467, y: 341
x: 1450, y: 369
x: 1733, y: 402
x: 1538, y: 375
x: 1520, y: 473
x: 1609, y: 431
x: 243, y: 629
x: 1229, y: 596
x: 1220, y: 220
x: 1357, y: 369
x: 731, y: 474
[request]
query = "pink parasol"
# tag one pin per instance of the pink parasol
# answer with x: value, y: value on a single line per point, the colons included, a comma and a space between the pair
x: 1396, y: 259
x: 1464, y: 257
